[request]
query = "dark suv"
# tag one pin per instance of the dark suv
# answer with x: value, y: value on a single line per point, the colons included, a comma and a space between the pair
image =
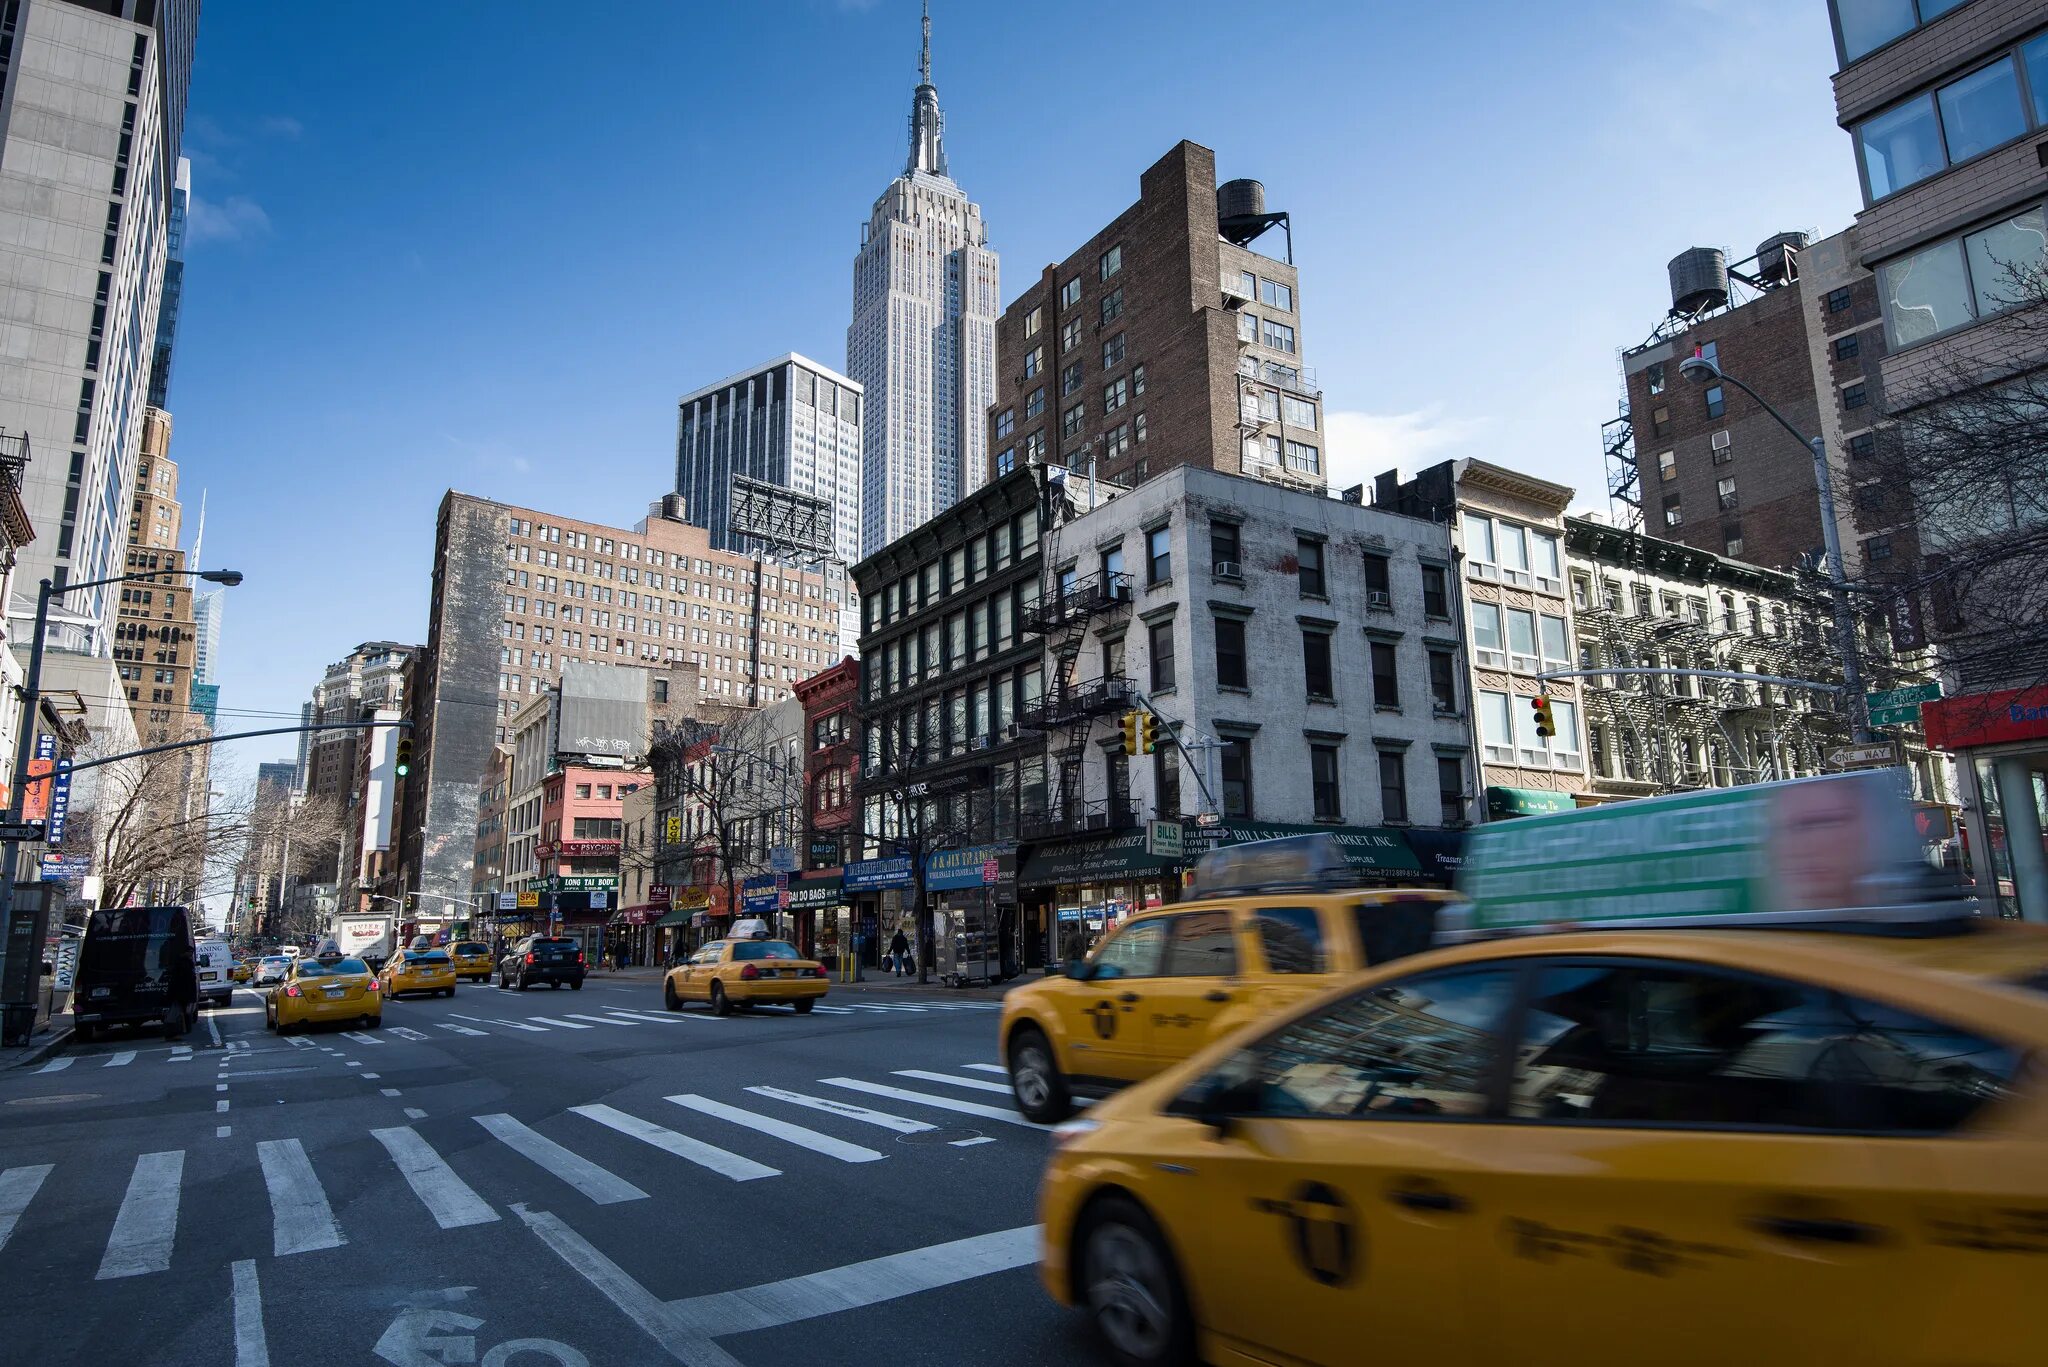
x: 542, y: 959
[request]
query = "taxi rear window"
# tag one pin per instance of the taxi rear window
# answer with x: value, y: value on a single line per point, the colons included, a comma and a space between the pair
x: 764, y: 949
x: 472, y: 948
x: 435, y: 957
x: 315, y: 968
x: 1393, y: 927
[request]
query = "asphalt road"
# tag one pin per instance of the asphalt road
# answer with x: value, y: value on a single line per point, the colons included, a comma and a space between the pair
x: 518, y: 1180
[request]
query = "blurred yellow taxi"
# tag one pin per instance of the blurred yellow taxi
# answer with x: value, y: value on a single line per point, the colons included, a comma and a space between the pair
x: 1611, y: 1120
x: 419, y: 970
x: 749, y: 973
x: 325, y: 987
x: 242, y: 971
x: 472, y: 959
x: 1271, y: 923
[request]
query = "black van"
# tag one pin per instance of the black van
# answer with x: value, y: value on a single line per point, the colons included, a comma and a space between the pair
x: 136, y: 967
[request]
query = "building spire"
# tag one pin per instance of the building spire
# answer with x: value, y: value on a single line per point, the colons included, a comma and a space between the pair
x: 927, y: 125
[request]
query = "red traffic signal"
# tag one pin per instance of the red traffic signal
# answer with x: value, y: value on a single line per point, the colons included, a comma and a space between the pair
x: 1546, y: 725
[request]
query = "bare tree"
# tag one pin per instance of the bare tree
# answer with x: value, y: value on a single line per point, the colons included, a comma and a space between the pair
x: 1956, y: 489
x: 153, y: 822
x: 285, y: 840
x: 740, y: 791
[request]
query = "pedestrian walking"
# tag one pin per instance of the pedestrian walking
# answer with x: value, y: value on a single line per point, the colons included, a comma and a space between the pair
x: 899, y: 953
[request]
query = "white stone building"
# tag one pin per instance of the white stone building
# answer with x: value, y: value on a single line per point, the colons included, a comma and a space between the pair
x: 926, y: 294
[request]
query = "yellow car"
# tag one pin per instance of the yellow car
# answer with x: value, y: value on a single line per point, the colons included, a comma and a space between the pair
x: 1596, y: 1148
x: 241, y: 972
x: 472, y: 959
x: 1166, y: 982
x: 327, y: 987
x: 749, y: 973
x: 419, y: 970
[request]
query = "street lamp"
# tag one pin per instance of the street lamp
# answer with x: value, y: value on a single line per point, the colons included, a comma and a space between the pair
x: 1701, y: 370
x: 24, y: 944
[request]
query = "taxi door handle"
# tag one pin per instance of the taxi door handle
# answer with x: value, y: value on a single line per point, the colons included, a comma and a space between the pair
x: 1812, y: 1231
x: 1128, y: 997
x: 1218, y: 996
x: 1420, y: 1198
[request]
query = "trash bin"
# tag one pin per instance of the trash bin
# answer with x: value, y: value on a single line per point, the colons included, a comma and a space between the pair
x: 17, y: 1023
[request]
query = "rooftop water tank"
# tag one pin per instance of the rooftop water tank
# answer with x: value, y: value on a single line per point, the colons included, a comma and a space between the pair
x: 1240, y: 199
x: 1699, y: 279
x: 1774, y: 262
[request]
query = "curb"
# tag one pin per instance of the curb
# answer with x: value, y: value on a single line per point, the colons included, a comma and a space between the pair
x: 39, y: 1051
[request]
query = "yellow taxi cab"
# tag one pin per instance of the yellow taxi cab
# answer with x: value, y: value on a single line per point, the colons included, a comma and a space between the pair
x: 1271, y: 922
x: 1773, y: 1131
x: 748, y: 973
x: 472, y: 959
x: 242, y: 971
x: 327, y: 986
x: 419, y: 970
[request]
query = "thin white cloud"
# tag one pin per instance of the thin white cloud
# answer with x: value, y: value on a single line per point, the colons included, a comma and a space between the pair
x: 1362, y: 445
x: 279, y: 126
x: 234, y: 219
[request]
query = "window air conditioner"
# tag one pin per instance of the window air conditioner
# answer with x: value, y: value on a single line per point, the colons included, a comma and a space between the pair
x: 1721, y: 440
x: 1380, y: 600
x: 1229, y: 569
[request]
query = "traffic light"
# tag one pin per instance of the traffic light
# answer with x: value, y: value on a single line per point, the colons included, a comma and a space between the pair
x: 1128, y: 723
x: 1141, y: 732
x: 1545, y: 724
x: 404, y: 756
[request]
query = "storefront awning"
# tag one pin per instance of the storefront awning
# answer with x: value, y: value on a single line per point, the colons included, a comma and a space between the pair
x: 680, y: 916
x: 1101, y: 860
x: 1502, y: 802
x: 1368, y: 849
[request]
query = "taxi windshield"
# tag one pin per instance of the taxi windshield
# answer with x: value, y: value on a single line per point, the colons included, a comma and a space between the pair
x: 764, y: 949
x: 327, y: 968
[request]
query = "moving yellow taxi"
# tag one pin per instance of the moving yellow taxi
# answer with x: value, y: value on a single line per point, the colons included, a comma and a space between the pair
x: 325, y: 987
x: 1271, y: 923
x: 1692, y: 1146
x: 419, y: 970
x: 242, y: 971
x: 472, y: 959
x: 748, y: 973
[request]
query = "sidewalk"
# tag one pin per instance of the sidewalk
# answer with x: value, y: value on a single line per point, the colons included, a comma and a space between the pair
x: 51, y: 1038
x: 877, y: 980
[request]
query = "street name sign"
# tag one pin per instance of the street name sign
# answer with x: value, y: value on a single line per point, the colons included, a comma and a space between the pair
x: 1900, y: 706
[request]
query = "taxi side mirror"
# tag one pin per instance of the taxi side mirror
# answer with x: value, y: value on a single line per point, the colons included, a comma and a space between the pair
x: 1080, y: 970
x: 1219, y: 1101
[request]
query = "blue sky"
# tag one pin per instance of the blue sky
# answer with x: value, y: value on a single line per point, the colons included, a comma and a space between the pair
x: 455, y: 248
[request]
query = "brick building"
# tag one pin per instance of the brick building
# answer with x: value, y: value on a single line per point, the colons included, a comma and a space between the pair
x: 1163, y: 340
x: 832, y: 731
x: 519, y: 593
x: 154, y: 637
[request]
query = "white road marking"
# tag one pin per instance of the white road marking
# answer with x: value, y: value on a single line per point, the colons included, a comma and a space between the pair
x: 682, y: 1146
x: 886, y: 1006
x: 295, y: 1042
x: 300, y: 1218
x: 900, y: 1124
x: 635, y: 1301
x: 447, y: 1197
x: 18, y: 1187
x: 223, y: 1131
x: 361, y: 1037
x: 181, y: 1053
x: 57, y: 1065
x: 371, y: 1077
x: 120, y: 1060
x: 972, y: 1083
x: 855, y: 1286
x: 601, y: 1020
x: 148, y: 1222
x: 460, y: 1029
x: 493, y: 1020
x: 987, y: 1068
x: 220, y: 1105
x: 220, y: 1086
x: 834, y: 1010
x: 677, y: 1018
x: 415, y: 1113
x: 550, y: 1020
x: 408, y: 1032
x: 251, y: 1348
x: 781, y: 1129
x: 970, y: 1143
x: 389, y: 1091
x: 597, y: 1183
x: 944, y: 1103
x: 353, y: 1064
x: 213, y: 1029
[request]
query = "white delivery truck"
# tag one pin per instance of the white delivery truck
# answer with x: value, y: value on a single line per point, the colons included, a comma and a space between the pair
x: 369, y: 938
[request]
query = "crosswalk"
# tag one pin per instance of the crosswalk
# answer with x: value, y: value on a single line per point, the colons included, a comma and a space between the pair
x: 758, y: 1134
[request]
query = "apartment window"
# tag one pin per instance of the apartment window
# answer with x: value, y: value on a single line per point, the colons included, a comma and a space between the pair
x: 1674, y: 511
x: 1247, y: 327
x: 1035, y: 404
x: 1855, y: 396
x: 1070, y: 421
x: 1660, y: 421
x: 1386, y: 681
x: 1450, y: 788
x: 1305, y: 458
x: 1117, y: 443
x: 1878, y: 548
x: 1379, y: 584
x: 1724, y: 489
x: 1113, y: 305
x: 1034, y: 448
x: 1496, y: 726
x: 1225, y: 549
x: 1032, y: 320
x: 1070, y: 379
x: 1112, y: 562
x: 1034, y: 362
x: 1070, y: 294
x: 1273, y: 294
x: 1116, y: 394
x: 1393, y: 786
x: 1838, y: 300
x: 1279, y: 336
x: 1950, y: 283
x: 1488, y: 643
x: 1112, y: 261
x: 1667, y: 465
x: 1159, y: 645
x: 1322, y: 772
x: 1918, y: 138
x: 1315, y: 665
x: 1436, y: 592
x: 1006, y: 423
x: 1655, y: 376
x: 1443, y: 682
x: 1113, y: 352
x: 1236, y: 764
x: 1551, y: 637
x: 1166, y: 781
x: 1863, y: 445
x: 1717, y: 402
x: 1308, y: 555
x: 1848, y: 348
x: 1006, y: 460
x: 1298, y: 412
x: 1137, y: 380
x: 1232, y: 669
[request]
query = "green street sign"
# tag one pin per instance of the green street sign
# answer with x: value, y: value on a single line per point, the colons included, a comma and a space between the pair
x: 1906, y: 714
x: 1911, y: 695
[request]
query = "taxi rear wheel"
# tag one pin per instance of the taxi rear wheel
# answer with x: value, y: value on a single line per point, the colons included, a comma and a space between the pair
x: 803, y: 1008
x: 1131, y: 1287
x: 1035, y: 1080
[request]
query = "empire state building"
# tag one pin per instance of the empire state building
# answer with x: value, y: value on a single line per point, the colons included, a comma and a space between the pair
x: 923, y: 339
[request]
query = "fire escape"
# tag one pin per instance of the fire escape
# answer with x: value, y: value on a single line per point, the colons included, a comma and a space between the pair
x: 1067, y: 712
